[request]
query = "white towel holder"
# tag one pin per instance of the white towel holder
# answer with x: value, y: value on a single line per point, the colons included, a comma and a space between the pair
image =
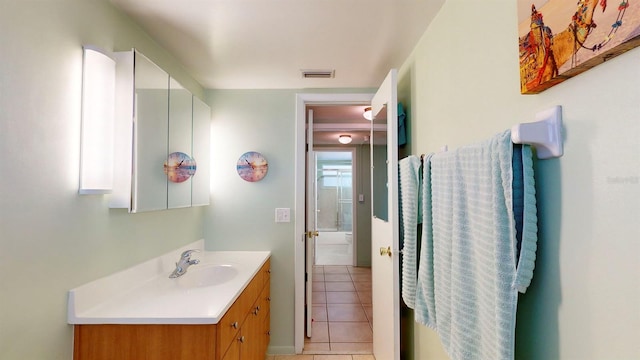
x: 545, y: 134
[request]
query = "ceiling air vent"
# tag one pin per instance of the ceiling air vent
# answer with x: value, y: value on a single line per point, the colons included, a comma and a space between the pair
x: 318, y: 74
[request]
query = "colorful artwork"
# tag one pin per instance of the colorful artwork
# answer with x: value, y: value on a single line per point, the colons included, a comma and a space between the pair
x: 252, y: 166
x: 179, y: 167
x: 558, y: 40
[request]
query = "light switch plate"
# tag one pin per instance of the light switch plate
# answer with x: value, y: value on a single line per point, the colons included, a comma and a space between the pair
x: 283, y: 215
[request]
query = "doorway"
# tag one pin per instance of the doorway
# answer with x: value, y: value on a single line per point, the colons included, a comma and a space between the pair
x: 384, y: 233
x: 334, y: 208
x: 301, y: 273
x: 338, y: 300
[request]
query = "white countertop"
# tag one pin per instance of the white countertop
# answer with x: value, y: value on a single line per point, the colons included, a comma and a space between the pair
x: 144, y: 294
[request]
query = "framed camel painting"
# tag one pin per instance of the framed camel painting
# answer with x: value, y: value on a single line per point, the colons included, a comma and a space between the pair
x: 559, y: 39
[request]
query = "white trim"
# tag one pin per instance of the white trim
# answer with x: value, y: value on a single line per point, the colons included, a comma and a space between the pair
x: 300, y: 175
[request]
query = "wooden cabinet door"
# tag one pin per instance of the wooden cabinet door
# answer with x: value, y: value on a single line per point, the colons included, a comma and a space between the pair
x: 250, y: 349
x: 233, y: 353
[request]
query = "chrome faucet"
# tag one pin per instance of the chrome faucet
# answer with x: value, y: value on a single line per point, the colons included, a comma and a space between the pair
x: 183, y: 264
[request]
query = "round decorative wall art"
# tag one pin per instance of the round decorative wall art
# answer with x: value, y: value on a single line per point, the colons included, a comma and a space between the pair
x: 179, y: 167
x: 252, y: 166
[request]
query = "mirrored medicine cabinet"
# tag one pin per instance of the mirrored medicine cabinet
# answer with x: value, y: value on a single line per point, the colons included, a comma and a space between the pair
x: 162, y: 139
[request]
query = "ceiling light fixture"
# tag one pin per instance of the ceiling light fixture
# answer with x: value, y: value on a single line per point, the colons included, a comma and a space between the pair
x: 367, y: 114
x: 344, y: 139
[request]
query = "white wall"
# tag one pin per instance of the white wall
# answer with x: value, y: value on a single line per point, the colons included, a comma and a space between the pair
x: 51, y: 239
x: 462, y: 85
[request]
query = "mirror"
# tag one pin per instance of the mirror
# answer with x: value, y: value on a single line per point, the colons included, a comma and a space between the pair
x: 149, y: 183
x: 379, y: 174
x: 163, y: 139
x: 201, y: 152
x: 180, y: 131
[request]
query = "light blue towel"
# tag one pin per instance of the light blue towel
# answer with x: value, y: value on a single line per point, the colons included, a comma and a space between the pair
x: 409, y: 178
x: 469, y: 272
x: 425, y: 308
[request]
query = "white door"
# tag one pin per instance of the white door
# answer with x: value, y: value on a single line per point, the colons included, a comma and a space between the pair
x: 311, y: 232
x: 385, y: 265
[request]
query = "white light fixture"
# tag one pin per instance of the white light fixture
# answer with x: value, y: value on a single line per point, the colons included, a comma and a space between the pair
x: 98, y: 108
x: 344, y: 139
x: 367, y: 114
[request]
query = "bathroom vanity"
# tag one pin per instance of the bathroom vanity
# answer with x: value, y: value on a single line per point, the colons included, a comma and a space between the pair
x: 221, y: 312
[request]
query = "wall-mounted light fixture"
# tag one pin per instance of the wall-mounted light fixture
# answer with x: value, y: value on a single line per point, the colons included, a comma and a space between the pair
x: 98, y: 108
x: 344, y: 139
x: 367, y: 114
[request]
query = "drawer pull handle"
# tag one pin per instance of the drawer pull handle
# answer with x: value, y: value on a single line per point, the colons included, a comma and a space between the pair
x: 234, y: 325
x: 241, y: 339
x: 255, y: 311
x: 269, y: 333
x: 268, y: 298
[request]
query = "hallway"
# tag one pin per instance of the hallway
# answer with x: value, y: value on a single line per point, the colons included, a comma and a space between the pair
x: 334, y: 248
x: 342, y: 312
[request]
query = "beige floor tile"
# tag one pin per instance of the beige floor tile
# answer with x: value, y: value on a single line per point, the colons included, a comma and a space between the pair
x: 336, y: 277
x: 362, y: 285
x: 316, y: 347
x: 269, y: 357
x: 365, y: 347
x: 319, y: 332
x: 346, y: 312
x: 319, y: 297
x: 294, y: 357
x: 342, y: 297
x: 361, y: 277
x: 363, y: 357
x: 364, y: 297
x: 317, y: 286
x: 359, y: 270
x: 319, y: 313
x: 342, y: 325
x: 335, y: 269
x: 350, y: 332
x: 332, y: 357
x: 368, y: 309
x: 340, y: 286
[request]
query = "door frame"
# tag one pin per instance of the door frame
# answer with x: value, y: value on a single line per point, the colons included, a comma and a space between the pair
x: 302, y: 100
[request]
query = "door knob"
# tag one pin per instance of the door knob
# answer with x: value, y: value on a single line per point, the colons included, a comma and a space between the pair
x: 385, y: 251
x: 311, y: 234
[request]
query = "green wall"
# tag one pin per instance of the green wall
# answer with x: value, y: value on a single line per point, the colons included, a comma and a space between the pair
x: 51, y: 238
x: 461, y: 85
x: 242, y: 214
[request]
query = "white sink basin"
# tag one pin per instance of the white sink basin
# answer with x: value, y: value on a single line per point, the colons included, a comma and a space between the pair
x: 144, y: 293
x: 207, y: 275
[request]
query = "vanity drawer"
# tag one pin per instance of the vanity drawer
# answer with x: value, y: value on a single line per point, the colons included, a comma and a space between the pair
x: 261, y: 307
x: 230, y: 324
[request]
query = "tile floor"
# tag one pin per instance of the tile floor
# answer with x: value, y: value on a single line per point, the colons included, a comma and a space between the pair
x: 342, y: 313
x: 320, y: 357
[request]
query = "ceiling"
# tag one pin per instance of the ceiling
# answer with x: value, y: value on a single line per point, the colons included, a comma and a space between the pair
x: 261, y: 44
x: 331, y: 121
